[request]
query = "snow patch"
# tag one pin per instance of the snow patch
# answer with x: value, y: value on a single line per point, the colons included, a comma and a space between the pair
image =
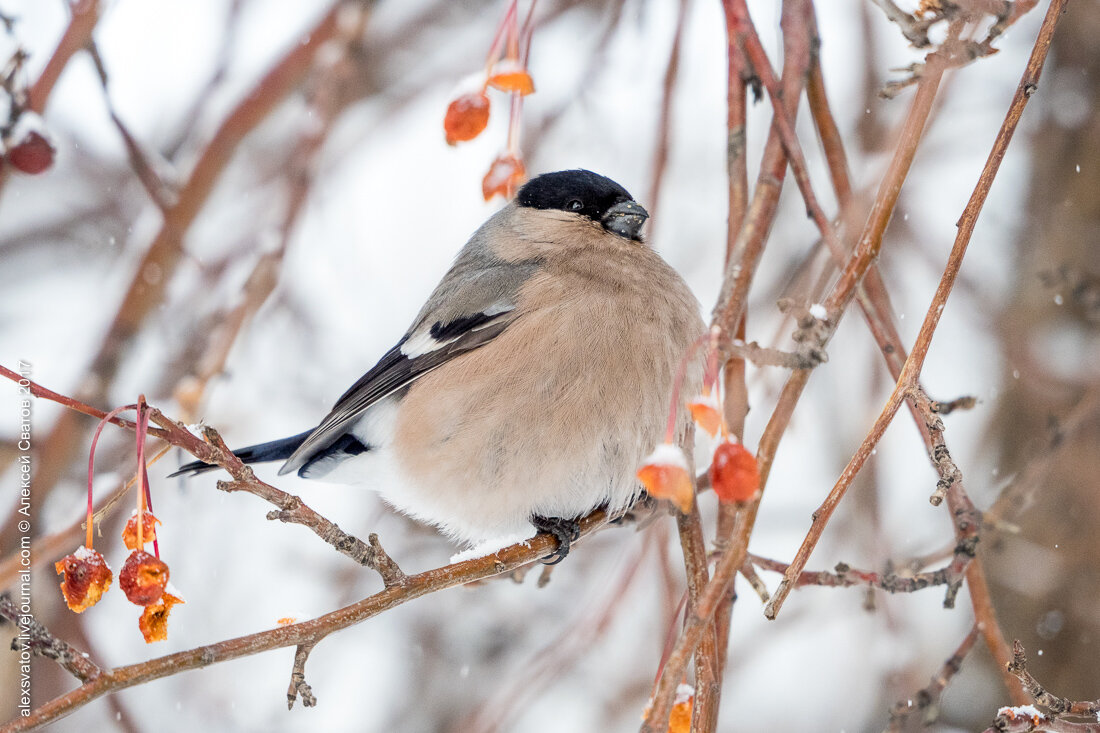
x: 666, y: 454
x: 489, y: 546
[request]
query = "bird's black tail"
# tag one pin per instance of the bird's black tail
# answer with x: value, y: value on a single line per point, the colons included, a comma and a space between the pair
x: 276, y: 450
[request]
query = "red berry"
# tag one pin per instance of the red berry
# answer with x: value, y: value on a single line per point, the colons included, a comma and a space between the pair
x: 734, y: 475
x: 33, y: 154
x: 466, y: 117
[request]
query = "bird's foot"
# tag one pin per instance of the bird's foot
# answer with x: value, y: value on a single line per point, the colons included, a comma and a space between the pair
x: 565, y: 531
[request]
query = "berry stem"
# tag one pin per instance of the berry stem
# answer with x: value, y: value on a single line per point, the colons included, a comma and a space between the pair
x: 497, y: 46
x: 91, y: 464
x: 681, y: 373
x: 144, y: 497
x: 140, y: 474
x: 514, y: 125
x: 527, y: 32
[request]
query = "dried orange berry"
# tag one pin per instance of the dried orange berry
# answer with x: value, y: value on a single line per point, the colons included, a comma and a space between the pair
x: 504, y: 177
x: 466, y: 117
x: 706, y: 413
x: 509, y: 75
x: 85, y: 577
x: 154, y: 618
x: 680, y: 719
x: 143, y: 578
x: 734, y: 475
x: 148, y: 530
x: 665, y: 476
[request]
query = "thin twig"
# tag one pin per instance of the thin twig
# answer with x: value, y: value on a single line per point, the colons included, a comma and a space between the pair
x: 870, y: 244
x: 845, y: 576
x: 289, y: 508
x: 707, y: 675
x: 72, y: 403
x: 1040, y: 695
x: 154, y: 272
x: 298, y: 685
x: 664, y: 118
x: 927, y: 698
x: 914, y: 29
x: 37, y: 639
x: 965, y: 517
x: 1018, y: 496
x: 328, y: 92
x: 162, y: 194
x: 306, y: 632
x: 85, y: 15
x: 734, y: 372
x: 727, y: 314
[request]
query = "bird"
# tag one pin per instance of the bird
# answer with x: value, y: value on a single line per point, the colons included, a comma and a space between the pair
x: 531, y: 385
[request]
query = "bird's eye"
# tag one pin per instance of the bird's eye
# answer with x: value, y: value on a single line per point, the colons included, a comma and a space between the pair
x: 574, y: 205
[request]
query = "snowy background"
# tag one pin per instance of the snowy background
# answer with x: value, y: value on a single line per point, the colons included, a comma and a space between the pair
x: 389, y: 206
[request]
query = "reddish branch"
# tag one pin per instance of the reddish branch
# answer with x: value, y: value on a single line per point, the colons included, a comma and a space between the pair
x: 708, y: 678
x: 85, y: 15
x: 154, y: 272
x: 398, y: 587
x: 161, y: 193
x: 734, y: 373
x: 710, y: 597
x: 866, y: 252
x: 328, y: 93
x: 870, y: 244
x: 290, y: 509
x: 304, y: 633
x: 731, y: 305
x: 73, y: 404
x: 966, y: 518
x: 664, y: 119
x: 1062, y: 710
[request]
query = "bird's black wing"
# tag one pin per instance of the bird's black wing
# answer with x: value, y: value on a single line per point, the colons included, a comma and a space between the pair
x: 393, y: 371
x: 456, y: 319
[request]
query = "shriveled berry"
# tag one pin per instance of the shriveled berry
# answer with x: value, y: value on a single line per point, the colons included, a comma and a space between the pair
x: 154, y: 619
x: 85, y: 578
x: 143, y: 578
x: 148, y: 530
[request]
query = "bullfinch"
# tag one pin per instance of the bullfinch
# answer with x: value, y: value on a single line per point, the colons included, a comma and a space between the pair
x: 532, y: 384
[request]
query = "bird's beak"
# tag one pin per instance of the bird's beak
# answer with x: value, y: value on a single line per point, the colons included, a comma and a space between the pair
x: 626, y: 219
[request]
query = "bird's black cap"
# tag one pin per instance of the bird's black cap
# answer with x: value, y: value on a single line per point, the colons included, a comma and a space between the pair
x: 578, y: 191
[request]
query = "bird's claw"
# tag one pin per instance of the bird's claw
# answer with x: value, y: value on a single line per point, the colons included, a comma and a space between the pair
x: 565, y: 531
